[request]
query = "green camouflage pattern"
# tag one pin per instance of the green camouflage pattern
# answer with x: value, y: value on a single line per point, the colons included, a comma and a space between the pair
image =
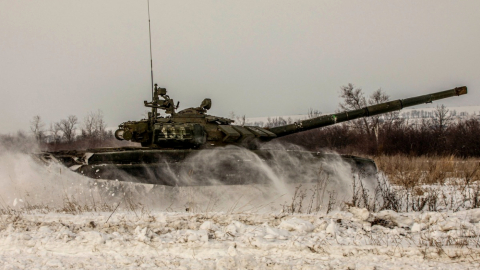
x: 192, y: 128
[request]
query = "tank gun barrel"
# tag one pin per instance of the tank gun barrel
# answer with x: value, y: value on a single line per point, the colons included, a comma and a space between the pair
x: 331, y: 119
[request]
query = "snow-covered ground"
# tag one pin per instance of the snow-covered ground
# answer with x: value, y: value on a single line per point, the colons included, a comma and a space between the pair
x: 52, y: 218
x: 354, y: 239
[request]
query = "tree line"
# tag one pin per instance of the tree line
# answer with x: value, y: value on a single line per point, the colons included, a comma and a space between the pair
x: 441, y: 134
x: 70, y: 133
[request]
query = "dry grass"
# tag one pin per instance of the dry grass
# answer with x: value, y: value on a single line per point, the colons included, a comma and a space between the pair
x: 409, y: 171
x: 433, y: 183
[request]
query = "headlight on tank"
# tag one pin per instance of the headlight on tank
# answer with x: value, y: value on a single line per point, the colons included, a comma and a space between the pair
x: 119, y: 134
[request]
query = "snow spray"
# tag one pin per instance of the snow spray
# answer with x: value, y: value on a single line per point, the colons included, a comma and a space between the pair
x: 26, y: 181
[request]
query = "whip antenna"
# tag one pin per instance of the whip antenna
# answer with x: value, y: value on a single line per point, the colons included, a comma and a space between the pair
x: 150, y: 38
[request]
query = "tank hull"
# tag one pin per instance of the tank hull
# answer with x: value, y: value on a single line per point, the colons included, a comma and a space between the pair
x: 226, y: 166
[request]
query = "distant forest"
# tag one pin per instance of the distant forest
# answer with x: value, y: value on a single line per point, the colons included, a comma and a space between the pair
x: 66, y: 134
x: 442, y: 133
x: 461, y: 139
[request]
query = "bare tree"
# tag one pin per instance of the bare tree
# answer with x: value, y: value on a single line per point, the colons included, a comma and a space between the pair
x: 88, y: 128
x: 100, y: 127
x: 68, y: 127
x: 354, y: 99
x: 378, y: 97
x: 55, y: 132
x: 441, y: 118
x: 94, y: 127
x: 37, y: 127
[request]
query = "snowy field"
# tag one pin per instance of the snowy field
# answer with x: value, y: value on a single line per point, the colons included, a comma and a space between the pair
x: 52, y: 218
x: 354, y: 239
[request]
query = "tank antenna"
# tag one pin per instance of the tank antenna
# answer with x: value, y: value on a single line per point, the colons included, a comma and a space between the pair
x: 150, y: 38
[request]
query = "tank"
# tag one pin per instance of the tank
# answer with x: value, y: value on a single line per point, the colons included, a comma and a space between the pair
x: 170, y: 143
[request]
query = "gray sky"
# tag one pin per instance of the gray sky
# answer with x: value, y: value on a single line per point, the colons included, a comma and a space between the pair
x: 256, y: 58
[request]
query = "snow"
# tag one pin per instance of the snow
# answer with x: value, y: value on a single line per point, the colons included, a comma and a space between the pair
x: 360, y: 213
x: 52, y: 218
x: 298, y: 225
x: 212, y: 240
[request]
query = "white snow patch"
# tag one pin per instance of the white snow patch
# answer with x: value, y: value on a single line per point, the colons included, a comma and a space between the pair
x: 296, y: 224
x: 233, y: 241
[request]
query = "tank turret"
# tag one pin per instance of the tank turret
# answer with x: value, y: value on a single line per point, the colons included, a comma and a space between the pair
x: 192, y: 128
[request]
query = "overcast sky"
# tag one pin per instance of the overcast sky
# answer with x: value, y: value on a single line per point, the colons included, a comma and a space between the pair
x: 257, y: 58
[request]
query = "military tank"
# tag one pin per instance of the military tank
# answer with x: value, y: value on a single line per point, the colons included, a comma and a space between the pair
x: 172, y: 143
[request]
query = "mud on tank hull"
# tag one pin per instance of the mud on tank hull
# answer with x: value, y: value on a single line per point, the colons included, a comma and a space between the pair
x: 226, y: 166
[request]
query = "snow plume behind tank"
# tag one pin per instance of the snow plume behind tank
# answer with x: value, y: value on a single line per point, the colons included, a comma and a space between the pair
x: 281, y: 175
x: 291, y: 182
x: 26, y: 181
